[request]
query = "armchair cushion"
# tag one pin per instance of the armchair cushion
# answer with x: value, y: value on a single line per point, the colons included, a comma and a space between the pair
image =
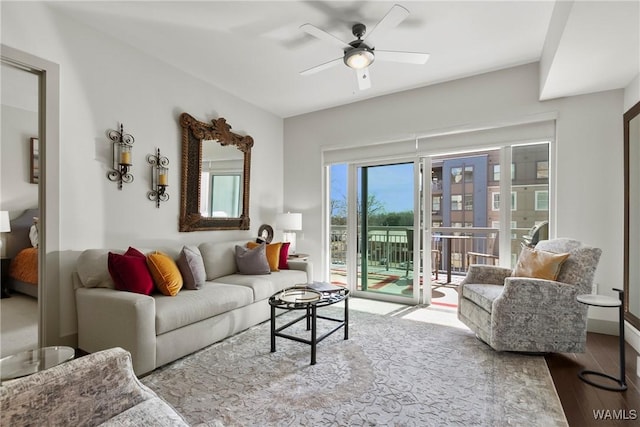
x: 482, y: 294
x: 539, y: 264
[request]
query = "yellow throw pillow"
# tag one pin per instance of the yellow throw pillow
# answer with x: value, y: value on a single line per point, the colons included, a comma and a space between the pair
x: 273, y: 254
x: 165, y: 272
x: 539, y: 264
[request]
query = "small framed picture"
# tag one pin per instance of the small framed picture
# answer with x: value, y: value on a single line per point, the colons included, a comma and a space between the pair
x: 35, y: 161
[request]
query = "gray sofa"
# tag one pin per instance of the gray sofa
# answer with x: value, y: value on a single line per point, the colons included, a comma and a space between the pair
x: 159, y: 329
x: 98, y: 389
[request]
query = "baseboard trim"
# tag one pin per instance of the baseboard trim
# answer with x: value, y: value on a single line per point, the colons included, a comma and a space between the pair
x: 631, y: 334
x: 600, y: 326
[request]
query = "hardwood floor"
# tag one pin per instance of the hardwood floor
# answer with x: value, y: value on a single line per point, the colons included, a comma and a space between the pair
x: 586, y: 405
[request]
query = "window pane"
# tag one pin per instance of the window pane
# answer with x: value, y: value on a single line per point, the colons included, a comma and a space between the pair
x: 495, y: 201
x: 542, y: 170
x: 456, y: 202
x: 496, y: 172
x: 456, y: 175
x: 542, y: 200
x: 468, y: 202
x: 468, y: 174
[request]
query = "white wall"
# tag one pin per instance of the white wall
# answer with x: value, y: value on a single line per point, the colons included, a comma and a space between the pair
x: 589, y: 151
x: 104, y: 82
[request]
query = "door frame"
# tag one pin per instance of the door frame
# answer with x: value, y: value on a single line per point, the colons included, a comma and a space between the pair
x: 48, y: 187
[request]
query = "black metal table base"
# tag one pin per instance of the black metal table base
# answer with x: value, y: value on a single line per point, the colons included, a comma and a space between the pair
x: 311, y: 316
x: 622, y: 386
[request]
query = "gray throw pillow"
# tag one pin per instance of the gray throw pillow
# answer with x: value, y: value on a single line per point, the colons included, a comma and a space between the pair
x: 252, y: 261
x: 191, y: 267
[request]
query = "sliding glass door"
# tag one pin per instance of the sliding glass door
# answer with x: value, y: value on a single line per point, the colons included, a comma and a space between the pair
x: 396, y: 231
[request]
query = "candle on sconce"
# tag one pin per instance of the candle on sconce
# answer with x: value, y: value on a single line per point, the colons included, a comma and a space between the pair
x: 163, y: 176
x: 125, y: 155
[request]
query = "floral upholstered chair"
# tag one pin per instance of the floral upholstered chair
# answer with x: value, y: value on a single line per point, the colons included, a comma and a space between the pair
x: 532, y: 314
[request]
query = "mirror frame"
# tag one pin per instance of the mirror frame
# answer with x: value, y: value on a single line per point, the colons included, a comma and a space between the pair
x: 632, y: 113
x: 193, y: 133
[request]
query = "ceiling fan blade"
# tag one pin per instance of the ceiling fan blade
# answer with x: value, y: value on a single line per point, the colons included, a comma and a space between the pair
x: 392, y: 19
x: 406, y: 57
x: 323, y: 35
x: 321, y: 67
x: 364, y: 80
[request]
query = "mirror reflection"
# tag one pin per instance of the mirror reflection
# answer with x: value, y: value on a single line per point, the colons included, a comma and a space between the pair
x: 221, y: 178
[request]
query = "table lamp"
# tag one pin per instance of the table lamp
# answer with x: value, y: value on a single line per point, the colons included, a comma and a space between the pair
x: 290, y: 223
x: 5, y: 227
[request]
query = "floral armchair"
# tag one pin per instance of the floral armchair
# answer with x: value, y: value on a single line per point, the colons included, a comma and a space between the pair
x: 530, y: 314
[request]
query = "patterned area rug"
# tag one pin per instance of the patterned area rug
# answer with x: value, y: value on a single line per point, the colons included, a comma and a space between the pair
x: 390, y: 372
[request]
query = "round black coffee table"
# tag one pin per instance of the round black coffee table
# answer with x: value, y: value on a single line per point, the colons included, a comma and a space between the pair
x: 309, y: 298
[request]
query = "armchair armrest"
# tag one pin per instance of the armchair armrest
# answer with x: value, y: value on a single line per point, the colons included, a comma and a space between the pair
x: 544, y: 313
x: 109, y: 318
x: 486, y: 274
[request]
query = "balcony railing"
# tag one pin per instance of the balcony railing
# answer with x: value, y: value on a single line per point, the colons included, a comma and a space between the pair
x: 388, y: 246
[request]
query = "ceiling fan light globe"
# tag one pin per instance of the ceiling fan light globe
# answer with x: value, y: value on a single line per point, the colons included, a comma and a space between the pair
x: 359, y: 58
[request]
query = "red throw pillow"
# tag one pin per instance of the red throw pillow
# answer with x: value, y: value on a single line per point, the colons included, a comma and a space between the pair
x: 284, y: 256
x: 130, y: 272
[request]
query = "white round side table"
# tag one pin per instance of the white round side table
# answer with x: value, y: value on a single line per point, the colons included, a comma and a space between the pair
x: 605, y: 301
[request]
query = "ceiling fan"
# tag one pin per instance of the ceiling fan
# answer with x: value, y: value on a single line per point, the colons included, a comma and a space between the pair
x: 360, y: 53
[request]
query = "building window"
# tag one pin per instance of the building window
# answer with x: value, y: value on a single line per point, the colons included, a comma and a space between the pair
x: 542, y: 170
x: 542, y: 200
x: 495, y: 201
x: 496, y: 172
x: 468, y: 202
x: 468, y: 174
x: 456, y: 175
x: 456, y: 202
x: 435, y: 203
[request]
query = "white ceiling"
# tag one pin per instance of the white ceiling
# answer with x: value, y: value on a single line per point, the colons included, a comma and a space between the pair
x: 255, y: 50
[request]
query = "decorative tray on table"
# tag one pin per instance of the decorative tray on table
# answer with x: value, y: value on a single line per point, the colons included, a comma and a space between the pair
x: 299, y: 295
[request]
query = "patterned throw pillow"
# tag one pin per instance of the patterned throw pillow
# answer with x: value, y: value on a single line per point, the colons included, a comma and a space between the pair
x: 539, y: 264
x: 191, y: 266
x: 165, y: 273
x: 129, y: 272
x: 252, y: 261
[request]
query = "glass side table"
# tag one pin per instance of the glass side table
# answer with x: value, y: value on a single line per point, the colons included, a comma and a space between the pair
x: 31, y: 361
x: 605, y: 301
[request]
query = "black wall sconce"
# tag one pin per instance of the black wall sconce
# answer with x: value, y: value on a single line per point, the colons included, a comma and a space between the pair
x: 159, y: 178
x: 122, y: 144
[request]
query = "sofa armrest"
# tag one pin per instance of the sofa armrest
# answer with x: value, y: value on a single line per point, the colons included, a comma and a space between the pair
x: 486, y: 274
x: 109, y: 318
x: 305, y: 266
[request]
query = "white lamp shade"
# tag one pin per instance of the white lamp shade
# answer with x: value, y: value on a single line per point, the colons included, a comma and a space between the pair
x: 289, y: 221
x: 5, y: 225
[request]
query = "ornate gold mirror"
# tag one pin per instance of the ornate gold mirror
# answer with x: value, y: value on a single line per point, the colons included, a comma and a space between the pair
x: 216, y: 167
x: 632, y: 215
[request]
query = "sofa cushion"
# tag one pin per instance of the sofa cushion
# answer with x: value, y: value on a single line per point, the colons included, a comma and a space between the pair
x: 165, y: 273
x: 265, y: 286
x: 481, y: 294
x: 191, y: 266
x: 192, y: 306
x: 130, y: 272
x: 219, y: 258
x: 252, y: 261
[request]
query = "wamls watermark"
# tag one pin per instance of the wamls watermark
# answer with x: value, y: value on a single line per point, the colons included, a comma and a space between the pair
x: 615, y: 414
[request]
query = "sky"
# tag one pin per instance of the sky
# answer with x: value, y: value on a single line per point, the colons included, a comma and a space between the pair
x: 391, y: 184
